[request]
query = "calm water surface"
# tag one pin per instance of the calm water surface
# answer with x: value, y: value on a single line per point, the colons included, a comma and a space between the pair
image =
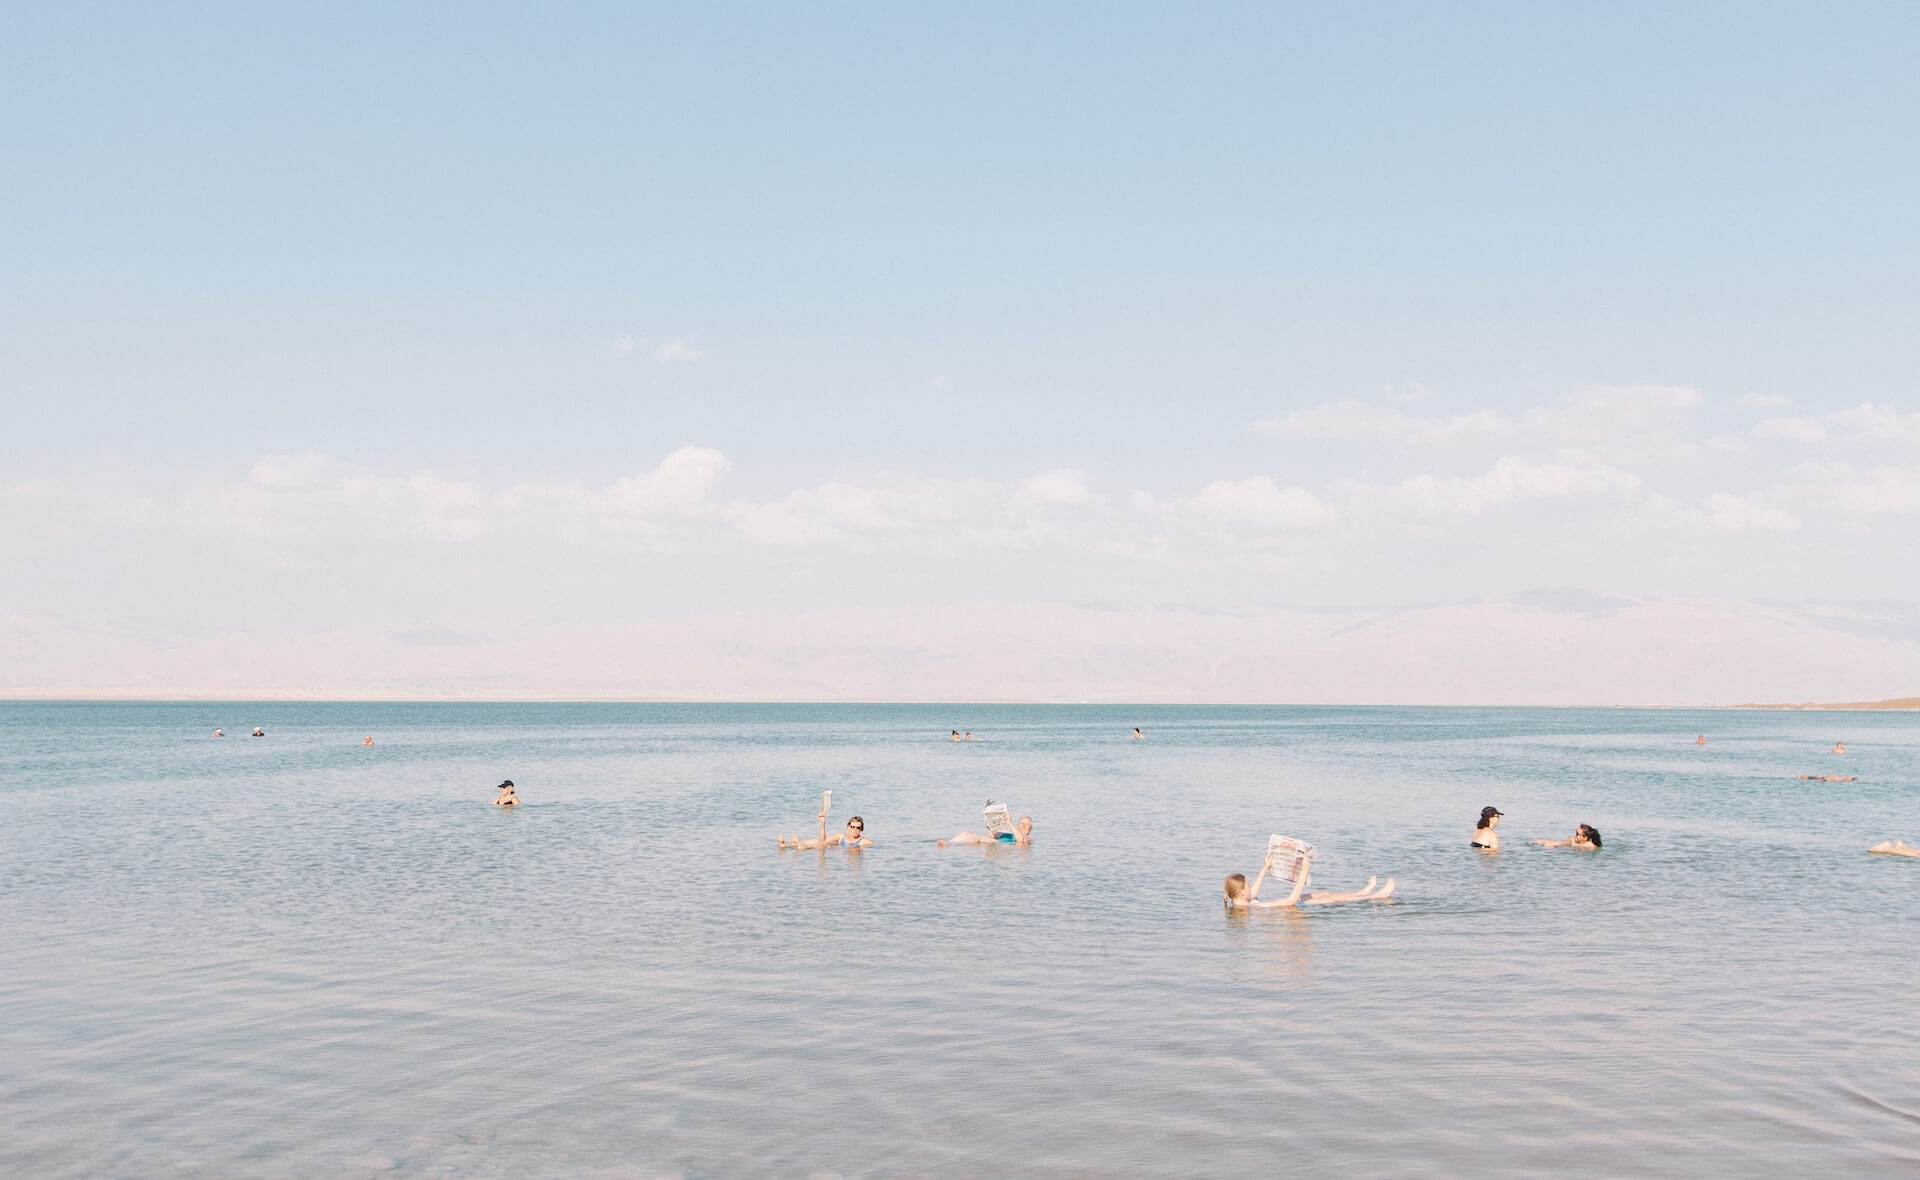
x: 298, y: 956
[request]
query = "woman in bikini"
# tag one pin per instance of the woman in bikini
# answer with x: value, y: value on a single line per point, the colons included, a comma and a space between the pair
x: 1486, y: 833
x: 854, y: 837
x: 506, y: 797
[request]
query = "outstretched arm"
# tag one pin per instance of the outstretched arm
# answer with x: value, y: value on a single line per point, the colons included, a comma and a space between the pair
x: 1292, y: 899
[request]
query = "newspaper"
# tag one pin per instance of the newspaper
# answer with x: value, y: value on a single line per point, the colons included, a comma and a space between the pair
x: 999, y: 819
x: 1290, y: 856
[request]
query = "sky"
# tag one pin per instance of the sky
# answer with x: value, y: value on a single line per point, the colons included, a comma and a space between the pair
x: 1509, y: 354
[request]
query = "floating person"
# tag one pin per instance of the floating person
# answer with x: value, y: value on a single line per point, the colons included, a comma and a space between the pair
x: 369, y: 740
x: 1701, y: 740
x: 956, y: 736
x: 258, y: 732
x: 1000, y: 829
x: 1137, y: 735
x: 1297, y: 864
x: 1486, y: 835
x: 1585, y: 837
x: 854, y: 837
x: 506, y: 797
x: 1839, y: 747
x: 1830, y: 778
x: 1895, y: 848
x: 217, y: 733
x: 967, y: 736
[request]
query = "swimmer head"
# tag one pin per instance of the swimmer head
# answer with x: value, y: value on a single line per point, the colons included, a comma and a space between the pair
x: 1237, y: 887
x: 1489, y: 817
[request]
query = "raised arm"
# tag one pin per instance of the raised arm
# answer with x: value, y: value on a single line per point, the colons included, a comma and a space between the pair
x: 1292, y: 899
x: 1253, y: 894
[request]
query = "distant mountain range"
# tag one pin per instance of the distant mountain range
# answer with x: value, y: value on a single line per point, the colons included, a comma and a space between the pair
x: 1895, y: 704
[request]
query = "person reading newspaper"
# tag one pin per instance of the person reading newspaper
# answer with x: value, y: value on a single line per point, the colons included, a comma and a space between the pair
x: 1000, y: 828
x: 1292, y: 861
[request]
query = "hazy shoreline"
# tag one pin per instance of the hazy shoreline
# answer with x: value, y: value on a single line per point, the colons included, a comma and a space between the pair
x: 1896, y: 705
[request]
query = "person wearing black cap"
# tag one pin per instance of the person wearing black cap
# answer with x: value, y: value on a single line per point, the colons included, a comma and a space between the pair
x: 506, y: 797
x: 1486, y: 834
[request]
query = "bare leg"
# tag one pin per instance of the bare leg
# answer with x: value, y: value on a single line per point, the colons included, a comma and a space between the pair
x: 967, y: 838
x: 1895, y: 848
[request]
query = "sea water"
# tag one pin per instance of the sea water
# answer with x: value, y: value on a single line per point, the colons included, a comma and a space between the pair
x: 297, y: 955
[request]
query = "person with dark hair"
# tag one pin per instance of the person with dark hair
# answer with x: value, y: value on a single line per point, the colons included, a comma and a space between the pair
x: 1486, y: 836
x: 854, y: 837
x: 1585, y: 837
x: 506, y: 797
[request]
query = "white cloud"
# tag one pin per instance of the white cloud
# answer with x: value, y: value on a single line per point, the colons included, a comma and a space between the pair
x: 1348, y: 419
x: 1732, y: 513
x: 1865, y: 423
x: 624, y: 346
x: 1877, y: 491
x: 1260, y: 501
x: 1062, y: 485
x: 1804, y: 430
x: 1632, y: 424
x: 1871, y: 423
x: 675, y: 351
x: 1510, y: 481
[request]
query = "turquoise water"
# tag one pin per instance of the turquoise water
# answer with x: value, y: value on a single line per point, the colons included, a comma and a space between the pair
x: 298, y: 956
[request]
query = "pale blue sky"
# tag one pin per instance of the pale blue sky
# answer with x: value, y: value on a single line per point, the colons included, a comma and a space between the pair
x: 929, y: 251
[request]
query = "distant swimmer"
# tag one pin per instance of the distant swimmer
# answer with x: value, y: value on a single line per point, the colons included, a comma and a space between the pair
x: 1830, y: 778
x: 1240, y: 897
x: 1022, y: 835
x: 1895, y: 848
x: 1701, y: 740
x: 956, y: 735
x: 854, y: 837
x: 967, y: 736
x: 1137, y: 735
x: 217, y: 733
x: 1486, y: 834
x: 369, y: 740
x: 1839, y: 747
x: 506, y: 797
x: 258, y: 732
x: 1586, y: 836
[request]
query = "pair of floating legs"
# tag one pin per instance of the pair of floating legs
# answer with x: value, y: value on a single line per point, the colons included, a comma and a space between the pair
x: 1374, y: 891
x: 1895, y: 848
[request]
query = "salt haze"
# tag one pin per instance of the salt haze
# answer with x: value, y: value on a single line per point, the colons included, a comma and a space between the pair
x: 1506, y: 357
